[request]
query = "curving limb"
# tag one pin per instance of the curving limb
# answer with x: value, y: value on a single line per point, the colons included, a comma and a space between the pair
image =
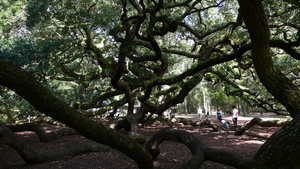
x: 199, y: 151
x: 31, y: 156
x: 260, y: 122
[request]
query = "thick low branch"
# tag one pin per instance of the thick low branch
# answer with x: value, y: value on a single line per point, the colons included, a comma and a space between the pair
x: 30, y: 156
x: 199, y: 151
x: 44, y: 101
x: 39, y: 130
x: 202, y: 123
x: 59, y: 133
x: 260, y: 122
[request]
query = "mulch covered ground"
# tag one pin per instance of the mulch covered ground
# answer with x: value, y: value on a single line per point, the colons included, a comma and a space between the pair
x: 173, y: 155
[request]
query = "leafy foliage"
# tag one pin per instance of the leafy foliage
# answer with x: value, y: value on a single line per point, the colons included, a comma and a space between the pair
x: 158, y: 51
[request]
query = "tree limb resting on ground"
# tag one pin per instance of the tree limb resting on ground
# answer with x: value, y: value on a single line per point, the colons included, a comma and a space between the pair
x: 39, y: 130
x: 199, y: 151
x: 30, y: 156
x: 260, y: 122
x: 207, y: 122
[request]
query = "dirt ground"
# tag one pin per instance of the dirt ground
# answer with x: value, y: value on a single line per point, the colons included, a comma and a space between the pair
x: 173, y: 155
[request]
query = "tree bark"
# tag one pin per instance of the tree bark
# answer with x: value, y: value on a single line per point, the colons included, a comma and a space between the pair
x: 282, y: 149
x: 43, y: 100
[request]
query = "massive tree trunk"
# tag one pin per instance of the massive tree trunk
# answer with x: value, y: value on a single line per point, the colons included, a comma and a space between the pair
x: 282, y: 150
x: 43, y: 100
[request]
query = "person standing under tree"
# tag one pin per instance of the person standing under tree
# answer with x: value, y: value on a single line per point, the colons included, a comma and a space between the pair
x: 235, y: 114
x: 199, y: 112
x: 219, y: 115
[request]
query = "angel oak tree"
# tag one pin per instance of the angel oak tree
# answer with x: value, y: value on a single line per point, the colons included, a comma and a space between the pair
x: 286, y: 140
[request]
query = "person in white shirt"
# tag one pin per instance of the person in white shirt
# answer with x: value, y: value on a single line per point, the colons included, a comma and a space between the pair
x: 235, y: 114
x: 200, y: 112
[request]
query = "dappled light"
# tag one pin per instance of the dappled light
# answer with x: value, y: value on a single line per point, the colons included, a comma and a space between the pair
x: 171, y: 153
x: 250, y: 142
